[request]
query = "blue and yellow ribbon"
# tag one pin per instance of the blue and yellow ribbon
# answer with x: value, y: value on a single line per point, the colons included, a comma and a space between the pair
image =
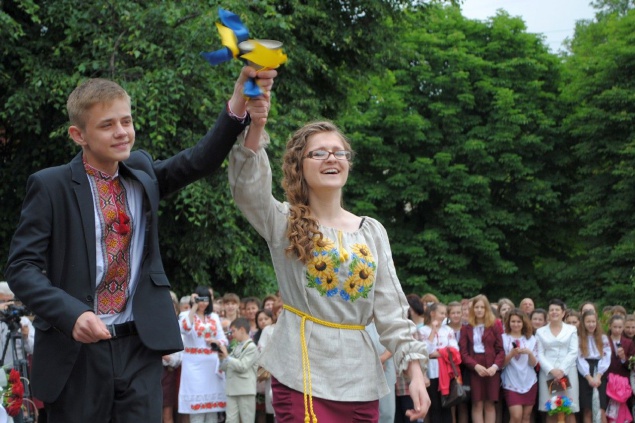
x: 232, y: 32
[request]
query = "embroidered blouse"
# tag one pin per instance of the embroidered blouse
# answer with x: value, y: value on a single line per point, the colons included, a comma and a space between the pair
x: 518, y: 375
x: 350, y: 281
x: 443, y: 338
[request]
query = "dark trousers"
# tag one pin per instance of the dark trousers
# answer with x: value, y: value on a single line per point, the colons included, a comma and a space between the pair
x: 437, y: 413
x: 403, y: 403
x: 114, y: 381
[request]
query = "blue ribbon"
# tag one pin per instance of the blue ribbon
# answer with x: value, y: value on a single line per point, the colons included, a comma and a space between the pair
x: 251, y: 88
x: 218, y: 56
x: 233, y: 22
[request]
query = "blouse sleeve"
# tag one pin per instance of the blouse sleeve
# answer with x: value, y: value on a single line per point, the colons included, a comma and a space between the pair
x: 572, y: 351
x: 605, y: 360
x: 425, y: 332
x: 250, y: 182
x: 390, y: 310
x: 185, y: 323
x: 582, y: 364
x: 220, y: 333
x: 545, y: 364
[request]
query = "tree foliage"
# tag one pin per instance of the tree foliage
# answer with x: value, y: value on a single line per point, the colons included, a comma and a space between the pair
x: 496, y: 166
x: 459, y: 145
x: 152, y: 49
x: 600, y: 91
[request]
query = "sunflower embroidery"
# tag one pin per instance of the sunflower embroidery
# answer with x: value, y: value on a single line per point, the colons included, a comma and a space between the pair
x: 322, y: 272
x: 322, y: 245
x: 363, y: 252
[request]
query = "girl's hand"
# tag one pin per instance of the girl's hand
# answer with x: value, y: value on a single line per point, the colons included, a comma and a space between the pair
x: 620, y: 353
x: 480, y: 370
x: 418, y: 392
x: 491, y: 371
x: 557, y: 374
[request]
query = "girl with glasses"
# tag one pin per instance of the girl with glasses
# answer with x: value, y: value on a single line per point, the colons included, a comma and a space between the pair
x: 335, y: 272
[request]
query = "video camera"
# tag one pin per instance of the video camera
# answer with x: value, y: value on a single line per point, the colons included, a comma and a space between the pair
x: 12, y: 315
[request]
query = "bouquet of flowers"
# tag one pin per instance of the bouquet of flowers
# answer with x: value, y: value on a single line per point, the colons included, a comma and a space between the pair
x: 13, y: 394
x: 560, y: 405
x: 631, y: 362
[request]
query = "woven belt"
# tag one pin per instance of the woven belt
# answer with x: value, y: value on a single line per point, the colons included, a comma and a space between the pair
x: 306, y: 365
x: 121, y: 330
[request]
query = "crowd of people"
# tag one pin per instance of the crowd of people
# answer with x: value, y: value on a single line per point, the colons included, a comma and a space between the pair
x: 511, y: 357
x: 516, y: 359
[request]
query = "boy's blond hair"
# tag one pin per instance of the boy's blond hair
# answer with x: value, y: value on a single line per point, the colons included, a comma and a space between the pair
x: 89, y: 93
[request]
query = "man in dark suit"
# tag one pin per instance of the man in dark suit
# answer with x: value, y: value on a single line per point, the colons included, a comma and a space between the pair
x: 85, y: 257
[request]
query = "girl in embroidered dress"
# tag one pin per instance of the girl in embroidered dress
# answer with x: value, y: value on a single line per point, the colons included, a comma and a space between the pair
x: 593, y: 362
x: 335, y: 273
x: 202, y: 389
x: 482, y: 352
x: 519, y: 379
x: 437, y: 336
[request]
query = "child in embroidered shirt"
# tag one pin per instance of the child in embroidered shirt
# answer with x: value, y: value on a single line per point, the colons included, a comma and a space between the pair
x: 240, y: 368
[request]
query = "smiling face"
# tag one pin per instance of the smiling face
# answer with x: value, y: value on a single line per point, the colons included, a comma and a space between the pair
x: 555, y: 313
x: 590, y: 323
x: 439, y: 314
x: 538, y: 320
x: 329, y: 174
x: 516, y: 325
x: 251, y: 308
x: 107, y: 135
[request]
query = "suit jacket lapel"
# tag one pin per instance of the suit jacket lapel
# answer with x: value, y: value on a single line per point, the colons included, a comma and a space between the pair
x: 85, y: 204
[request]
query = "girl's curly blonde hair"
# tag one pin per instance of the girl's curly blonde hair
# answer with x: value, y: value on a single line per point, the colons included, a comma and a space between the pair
x: 303, y: 229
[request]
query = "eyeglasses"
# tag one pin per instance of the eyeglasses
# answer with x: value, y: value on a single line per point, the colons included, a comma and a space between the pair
x: 325, y: 154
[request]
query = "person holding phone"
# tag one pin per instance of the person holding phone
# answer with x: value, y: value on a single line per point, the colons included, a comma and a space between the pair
x: 621, y: 347
x: 518, y: 379
x: 202, y: 391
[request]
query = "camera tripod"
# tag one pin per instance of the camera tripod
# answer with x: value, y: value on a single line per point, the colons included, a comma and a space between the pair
x: 13, y: 334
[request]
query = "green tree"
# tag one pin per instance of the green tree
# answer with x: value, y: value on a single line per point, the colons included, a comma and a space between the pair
x: 152, y: 48
x: 600, y: 91
x: 459, y: 158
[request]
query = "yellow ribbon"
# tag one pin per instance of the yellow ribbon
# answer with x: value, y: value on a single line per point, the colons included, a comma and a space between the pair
x: 342, y: 250
x: 306, y: 365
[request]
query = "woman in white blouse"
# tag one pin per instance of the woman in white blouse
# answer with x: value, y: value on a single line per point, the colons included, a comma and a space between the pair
x: 519, y: 379
x: 593, y: 362
x: 437, y: 336
x: 336, y: 274
x: 557, y: 355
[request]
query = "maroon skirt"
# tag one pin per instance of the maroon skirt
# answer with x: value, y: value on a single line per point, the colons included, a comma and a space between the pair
x: 169, y: 384
x: 288, y: 406
x: 484, y: 388
x: 528, y: 398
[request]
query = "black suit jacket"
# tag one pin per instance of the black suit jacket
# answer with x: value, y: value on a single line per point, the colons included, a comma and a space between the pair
x: 51, y: 265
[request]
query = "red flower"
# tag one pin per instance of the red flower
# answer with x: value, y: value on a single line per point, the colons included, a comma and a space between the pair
x: 14, y: 376
x: 12, y: 397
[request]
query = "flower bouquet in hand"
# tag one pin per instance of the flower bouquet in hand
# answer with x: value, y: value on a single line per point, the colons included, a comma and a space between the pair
x: 13, y: 394
x: 559, y: 405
